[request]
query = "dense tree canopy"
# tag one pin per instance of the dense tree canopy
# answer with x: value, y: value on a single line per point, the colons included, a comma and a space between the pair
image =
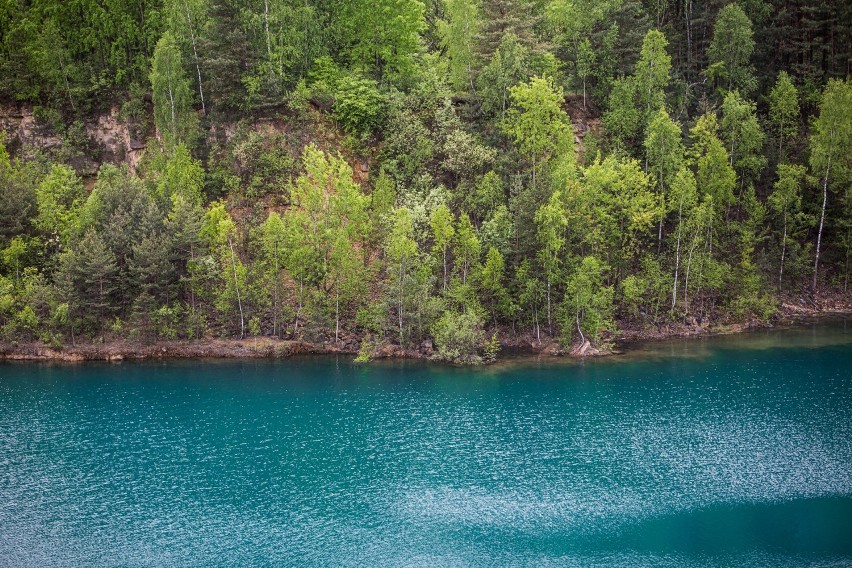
x: 439, y: 175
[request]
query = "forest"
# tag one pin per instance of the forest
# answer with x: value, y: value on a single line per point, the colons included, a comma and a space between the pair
x: 456, y: 173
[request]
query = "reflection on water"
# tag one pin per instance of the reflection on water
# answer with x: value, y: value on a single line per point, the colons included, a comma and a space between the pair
x: 720, y: 451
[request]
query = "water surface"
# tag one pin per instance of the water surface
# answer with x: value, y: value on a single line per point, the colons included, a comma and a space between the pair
x: 726, y: 451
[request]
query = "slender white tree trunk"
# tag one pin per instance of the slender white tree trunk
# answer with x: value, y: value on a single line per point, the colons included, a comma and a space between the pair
x: 783, y: 249
x: 821, y: 220
x: 237, y: 288
x: 172, y: 108
x: 195, y: 55
x: 582, y: 337
x: 537, y: 327
x: 677, y: 254
x: 445, y: 268
x: 266, y: 29
x: 400, y: 300
x: 549, y: 320
x: 686, y: 280
x: 298, y: 308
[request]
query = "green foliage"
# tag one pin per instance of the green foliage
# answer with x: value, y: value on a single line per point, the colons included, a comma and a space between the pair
x: 731, y: 49
x: 459, y: 336
x: 491, y: 349
x: 743, y: 136
x: 358, y: 105
x: 443, y: 233
x: 374, y: 46
x: 59, y: 198
x: 464, y: 157
x: 485, y: 197
x: 714, y: 174
x: 508, y: 67
x: 468, y: 207
x: 93, y: 271
x: 831, y: 141
x: 498, y: 231
x: 17, y: 196
x: 616, y: 209
x: 467, y: 247
x: 536, y: 122
x: 663, y: 149
x: 166, y: 321
x: 652, y: 74
x: 588, y: 305
x: 622, y: 118
x: 492, y: 285
x: 784, y: 111
x: 402, y: 256
x: 181, y: 176
x: 458, y: 34
x: 551, y: 222
x: 172, y: 94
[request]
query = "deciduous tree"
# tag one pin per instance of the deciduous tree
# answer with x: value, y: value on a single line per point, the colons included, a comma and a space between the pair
x: 831, y: 146
x: 537, y: 123
x: 173, y: 113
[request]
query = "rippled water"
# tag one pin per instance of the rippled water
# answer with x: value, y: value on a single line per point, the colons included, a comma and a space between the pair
x: 729, y: 451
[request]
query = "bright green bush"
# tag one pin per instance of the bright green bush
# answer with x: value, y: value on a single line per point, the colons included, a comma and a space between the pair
x: 458, y: 336
x: 359, y: 107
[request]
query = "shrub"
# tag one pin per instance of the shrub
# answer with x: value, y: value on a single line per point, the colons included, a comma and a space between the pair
x: 358, y: 105
x: 166, y: 320
x: 458, y: 336
x: 491, y: 349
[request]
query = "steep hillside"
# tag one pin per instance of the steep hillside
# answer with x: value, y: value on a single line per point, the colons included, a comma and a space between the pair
x: 424, y: 178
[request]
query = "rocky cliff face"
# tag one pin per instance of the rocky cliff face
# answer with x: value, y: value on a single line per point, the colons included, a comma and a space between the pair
x: 22, y: 129
x: 116, y: 139
x: 104, y: 139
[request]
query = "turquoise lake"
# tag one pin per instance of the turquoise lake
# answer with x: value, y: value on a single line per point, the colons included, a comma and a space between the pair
x: 728, y: 451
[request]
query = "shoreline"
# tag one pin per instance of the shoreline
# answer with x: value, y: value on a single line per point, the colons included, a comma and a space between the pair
x: 269, y: 348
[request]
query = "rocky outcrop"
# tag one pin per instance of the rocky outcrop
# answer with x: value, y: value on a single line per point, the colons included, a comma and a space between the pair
x: 109, y: 138
x: 22, y: 128
x: 115, y: 139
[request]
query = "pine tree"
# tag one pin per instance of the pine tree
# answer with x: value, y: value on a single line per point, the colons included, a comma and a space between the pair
x: 95, y: 275
x: 225, y: 57
x: 503, y: 17
x: 152, y: 268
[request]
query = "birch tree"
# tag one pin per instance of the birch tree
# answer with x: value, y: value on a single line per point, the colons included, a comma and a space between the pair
x: 831, y: 149
x: 187, y: 18
x: 784, y: 112
x: 537, y: 123
x: 786, y: 201
x: 458, y: 34
x: 684, y: 197
x: 173, y: 114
